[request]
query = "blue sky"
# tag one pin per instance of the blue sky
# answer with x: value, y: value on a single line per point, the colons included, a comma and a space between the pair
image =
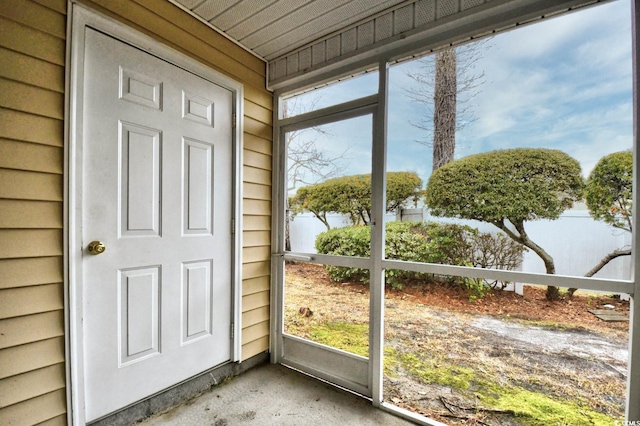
x: 563, y: 83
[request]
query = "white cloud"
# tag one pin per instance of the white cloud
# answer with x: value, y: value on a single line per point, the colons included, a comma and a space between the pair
x: 564, y: 84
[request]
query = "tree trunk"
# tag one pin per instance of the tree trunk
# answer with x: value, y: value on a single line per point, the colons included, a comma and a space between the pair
x: 608, y: 258
x: 553, y: 293
x: 444, y: 108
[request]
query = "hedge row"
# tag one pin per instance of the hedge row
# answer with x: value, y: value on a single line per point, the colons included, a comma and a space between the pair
x: 430, y: 242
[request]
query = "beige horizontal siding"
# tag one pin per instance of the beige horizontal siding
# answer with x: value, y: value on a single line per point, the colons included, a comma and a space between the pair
x: 35, y: 410
x: 255, y: 207
x: 255, y: 270
x: 255, y: 300
x: 31, y: 328
x: 254, y: 332
x: 259, y: 96
x: 258, y: 112
x: 31, y: 300
x: 257, y: 128
x: 255, y: 175
x: 32, y: 384
x: 256, y: 347
x: 257, y: 160
x: 24, y: 185
x: 255, y: 316
x: 32, y: 356
x: 31, y: 128
x: 18, y: 243
x: 34, y: 100
x: 31, y: 156
x: 256, y: 285
x: 259, y: 145
x: 19, y: 67
x: 33, y: 14
x: 31, y: 41
x: 59, y: 6
x: 56, y: 421
x: 32, y: 362
x: 30, y: 271
x: 30, y: 214
x: 255, y: 254
x: 256, y: 223
x: 257, y: 191
x: 256, y: 238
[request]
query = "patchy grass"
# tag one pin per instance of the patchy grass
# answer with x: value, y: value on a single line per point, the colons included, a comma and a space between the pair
x: 352, y: 338
x: 536, y: 409
x: 530, y: 408
x: 434, y: 371
x: 439, y: 364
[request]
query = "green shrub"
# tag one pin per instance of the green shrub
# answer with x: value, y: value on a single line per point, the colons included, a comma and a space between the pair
x: 609, y: 190
x: 347, y: 241
x: 430, y: 242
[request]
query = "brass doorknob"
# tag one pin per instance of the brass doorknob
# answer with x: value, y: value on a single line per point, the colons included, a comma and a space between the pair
x: 96, y: 247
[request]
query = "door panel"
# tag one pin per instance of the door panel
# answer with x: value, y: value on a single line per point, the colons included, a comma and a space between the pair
x: 140, y: 172
x: 139, y: 313
x: 198, y: 167
x: 196, y: 297
x: 157, y: 190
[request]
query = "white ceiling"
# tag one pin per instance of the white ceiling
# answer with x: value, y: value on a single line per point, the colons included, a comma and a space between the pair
x: 272, y: 28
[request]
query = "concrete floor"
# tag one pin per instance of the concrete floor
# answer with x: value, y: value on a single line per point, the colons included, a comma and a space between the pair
x: 275, y: 395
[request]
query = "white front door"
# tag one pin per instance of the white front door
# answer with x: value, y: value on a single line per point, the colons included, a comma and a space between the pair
x: 157, y: 190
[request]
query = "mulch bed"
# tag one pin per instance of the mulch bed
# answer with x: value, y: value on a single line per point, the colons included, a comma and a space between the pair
x: 570, y: 312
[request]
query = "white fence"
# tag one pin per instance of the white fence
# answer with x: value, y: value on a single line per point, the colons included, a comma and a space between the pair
x: 575, y: 241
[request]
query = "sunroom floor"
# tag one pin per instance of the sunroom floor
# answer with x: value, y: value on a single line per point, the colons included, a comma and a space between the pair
x: 275, y: 395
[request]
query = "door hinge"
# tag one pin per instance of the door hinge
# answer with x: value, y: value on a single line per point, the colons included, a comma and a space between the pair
x: 233, y: 120
x: 233, y: 226
x: 233, y: 329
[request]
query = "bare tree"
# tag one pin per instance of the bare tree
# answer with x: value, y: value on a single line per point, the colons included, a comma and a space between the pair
x: 444, y: 99
x: 447, y: 85
x: 307, y: 163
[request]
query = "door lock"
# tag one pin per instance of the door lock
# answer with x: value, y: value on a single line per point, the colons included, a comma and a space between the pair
x: 96, y: 247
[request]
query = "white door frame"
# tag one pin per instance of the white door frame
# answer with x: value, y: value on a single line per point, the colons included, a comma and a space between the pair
x: 80, y: 18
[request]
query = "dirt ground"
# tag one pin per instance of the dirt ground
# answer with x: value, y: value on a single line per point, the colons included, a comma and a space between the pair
x: 445, y: 349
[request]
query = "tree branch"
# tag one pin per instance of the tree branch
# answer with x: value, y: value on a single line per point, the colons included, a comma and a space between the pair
x: 608, y: 258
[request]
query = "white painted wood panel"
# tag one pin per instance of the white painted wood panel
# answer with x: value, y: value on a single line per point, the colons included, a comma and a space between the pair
x: 140, y: 174
x: 197, y: 315
x: 198, y: 197
x: 198, y: 109
x: 139, y: 88
x: 139, y: 313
